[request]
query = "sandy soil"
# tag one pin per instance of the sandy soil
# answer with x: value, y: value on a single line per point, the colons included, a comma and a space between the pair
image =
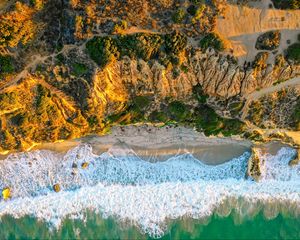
x: 242, y: 25
x: 294, y: 82
x: 157, y: 143
x: 160, y: 143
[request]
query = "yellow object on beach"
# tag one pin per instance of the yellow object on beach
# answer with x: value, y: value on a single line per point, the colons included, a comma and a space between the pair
x: 84, y: 165
x: 6, y: 193
x: 56, y: 187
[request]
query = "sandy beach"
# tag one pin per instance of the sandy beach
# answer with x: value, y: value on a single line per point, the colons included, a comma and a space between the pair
x: 159, y: 143
x: 154, y: 143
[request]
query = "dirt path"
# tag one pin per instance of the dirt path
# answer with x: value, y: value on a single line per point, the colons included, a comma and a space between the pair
x: 258, y: 94
x: 38, y: 59
x: 242, y: 25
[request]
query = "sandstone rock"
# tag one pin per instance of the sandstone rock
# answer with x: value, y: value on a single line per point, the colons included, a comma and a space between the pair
x: 6, y: 194
x: 296, y: 160
x: 84, y: 165
x: 254, y: 165
x: 56, y: 187
x: 217, y: 74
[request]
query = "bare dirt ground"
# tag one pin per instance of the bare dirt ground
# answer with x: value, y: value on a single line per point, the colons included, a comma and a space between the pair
x: 242, y: 25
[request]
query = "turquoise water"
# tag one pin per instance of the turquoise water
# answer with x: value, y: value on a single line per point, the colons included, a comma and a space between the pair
x: 96, y: 227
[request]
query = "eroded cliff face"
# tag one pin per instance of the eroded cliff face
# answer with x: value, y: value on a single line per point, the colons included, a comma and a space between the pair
x: 58, y: 104
x: 216, y: 73
x: 164, y: 67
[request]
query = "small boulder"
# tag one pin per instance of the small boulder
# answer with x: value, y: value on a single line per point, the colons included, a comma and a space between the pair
x: 296, y: 160
x: 56, y: 187
x: 84, y: 165
x: 6, y: 194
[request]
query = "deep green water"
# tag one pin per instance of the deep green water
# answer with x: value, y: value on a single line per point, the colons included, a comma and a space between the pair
x: 97, y: 228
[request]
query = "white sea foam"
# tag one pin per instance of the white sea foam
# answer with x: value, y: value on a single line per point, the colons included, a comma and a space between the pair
x: 118, y: 183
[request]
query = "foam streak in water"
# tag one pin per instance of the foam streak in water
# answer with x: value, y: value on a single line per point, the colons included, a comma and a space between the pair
x: 118, y: 183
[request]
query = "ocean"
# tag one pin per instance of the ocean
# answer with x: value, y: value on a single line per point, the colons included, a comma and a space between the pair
x: 118, y: 195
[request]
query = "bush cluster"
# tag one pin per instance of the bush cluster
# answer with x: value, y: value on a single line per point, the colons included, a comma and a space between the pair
x: 293, y: 52
x: 212, y: 40
x: 287, y: 4
x: 6, y: 64
x: 268, y: 41
x: 140, y: 45
x: 202, y: 117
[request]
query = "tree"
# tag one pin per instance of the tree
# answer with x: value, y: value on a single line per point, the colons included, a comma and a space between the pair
x: 212, y: 40
x: 178, y: 16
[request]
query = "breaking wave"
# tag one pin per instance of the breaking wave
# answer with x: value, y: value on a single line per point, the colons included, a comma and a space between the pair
x: 119, y: 183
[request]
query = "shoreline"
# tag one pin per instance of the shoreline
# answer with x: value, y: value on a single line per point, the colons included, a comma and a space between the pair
x: 153, y: 143
x: 159, y: 143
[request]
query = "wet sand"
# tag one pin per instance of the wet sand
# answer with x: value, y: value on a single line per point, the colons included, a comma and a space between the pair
x: 153, y: 143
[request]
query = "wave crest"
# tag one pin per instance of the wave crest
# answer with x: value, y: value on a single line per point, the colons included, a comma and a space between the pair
x: 119, y: 183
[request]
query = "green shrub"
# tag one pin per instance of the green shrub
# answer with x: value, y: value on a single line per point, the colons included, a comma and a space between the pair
x: 287, y: 4
x: 210, y: 123
x: 296, y: 116
x: 212, y: 40
x: 79, y: 69
x: 7, y: 140
x: 92, y: 121
x: 199, y: 94
x: 158, y: 116
x: 178, y: 110
x: 8, y: 100
x: 42, y: 97
x: 293, y: 52
x: 18, y: 119
x: 178, y: 16
x: 6, y: 64
x: 268, y: 41
x: 141, y: 102
x: 102, y: 50
x: 145, y: 46
x: 121, y: 26
x: 175, y: 43
x: 140, y: 45
x: 192, y: 9
x: 198, y: 14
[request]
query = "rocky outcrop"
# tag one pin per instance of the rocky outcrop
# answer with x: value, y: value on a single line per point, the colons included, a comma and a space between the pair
x: 296, y: 160
x: 56, y: 187
x: 6, y: 194
x: 254, y: 165
x: 217, y: 74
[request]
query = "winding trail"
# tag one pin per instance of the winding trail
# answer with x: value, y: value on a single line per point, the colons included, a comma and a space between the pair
x: 274, y: 88
x: 38, y: 59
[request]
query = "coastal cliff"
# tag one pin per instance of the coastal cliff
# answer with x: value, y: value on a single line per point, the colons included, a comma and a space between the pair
x: 85, y: 68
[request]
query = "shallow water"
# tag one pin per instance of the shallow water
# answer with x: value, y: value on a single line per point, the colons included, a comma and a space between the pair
x: 95, y: 227
x: 122, y: 196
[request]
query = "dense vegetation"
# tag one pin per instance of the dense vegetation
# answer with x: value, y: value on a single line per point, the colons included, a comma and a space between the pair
x: 296, y: 115
x: 287, y: 4
x: 268, y: 41
x: 179, y: 16
x: 17, y: 26
x: 202, y: 117
x: 212, y: 40
x: 293, y: 52
x: 6, y: 64
x: 145, y: 46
